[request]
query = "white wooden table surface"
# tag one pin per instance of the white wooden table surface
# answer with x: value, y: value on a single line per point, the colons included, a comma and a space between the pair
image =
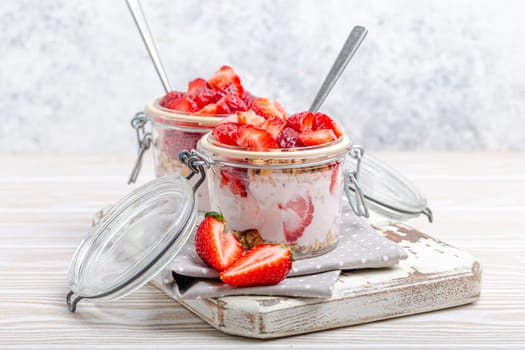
x: 47, y: 202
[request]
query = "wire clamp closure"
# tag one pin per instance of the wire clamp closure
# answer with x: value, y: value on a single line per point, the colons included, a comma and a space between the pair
x: 196, y: 162
x: 358, y: 205
x: 144, y: 142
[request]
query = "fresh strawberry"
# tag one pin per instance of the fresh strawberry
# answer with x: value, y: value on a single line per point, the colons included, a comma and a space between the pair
x: 210, y: 109
x: 333, y: 179
x: 288, y: 138
x: 250, y: 118
x: 303, y: 121
x: 273, y: 126
x: 264, y: 264
x: 226, y: 133
x: 217, y: 248
x: 268, y: 108
x: 322, y: 121
x: 232, y: 103
x: 248, y: 98
x: 197, y: 84
x: 225, y: 76
x: 229, y: 119
x: 236, y: 180
x: 172, y: 95
x: 254, y: 138
x: 296, y: 216
x: 205, y: 96
x: 183, y: 104
x: 318, y: 137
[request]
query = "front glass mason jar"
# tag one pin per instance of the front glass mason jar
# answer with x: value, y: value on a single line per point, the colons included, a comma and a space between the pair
x: 172, y: 132
x: 293, y: 196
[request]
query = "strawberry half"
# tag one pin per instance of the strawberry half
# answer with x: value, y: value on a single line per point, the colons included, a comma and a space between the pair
x: 236, y: 180
x: 317, y: 137
x: 322, y: 121
x: 301, y: 122
x: 224, y: 78
x: 296, y: 216
x: 264, y: 264
x: 268, y: 108
x: 226, y: 133
x: 250, y: 118
x: 254, y: 138
x: 218, y: 249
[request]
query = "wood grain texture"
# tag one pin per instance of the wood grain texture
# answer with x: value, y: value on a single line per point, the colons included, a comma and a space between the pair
x: 46, y: 205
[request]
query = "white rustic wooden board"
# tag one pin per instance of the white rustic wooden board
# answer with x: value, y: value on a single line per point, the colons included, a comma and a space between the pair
x: 435, y: 276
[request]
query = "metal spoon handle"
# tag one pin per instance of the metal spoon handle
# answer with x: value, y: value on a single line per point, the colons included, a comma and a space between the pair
x: 142, y: 26
x: 356, y: 37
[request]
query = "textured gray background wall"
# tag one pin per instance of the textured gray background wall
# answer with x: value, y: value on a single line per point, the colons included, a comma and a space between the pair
x: 432, y: 75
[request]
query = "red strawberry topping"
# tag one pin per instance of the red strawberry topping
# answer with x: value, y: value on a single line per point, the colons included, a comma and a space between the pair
x: 229, y: 119
x: 217, y: 248
x: 254, y: 138
x: 226, y: 133
x: 288, y: 138
x: 236, y: 181
x: 223, y: 78
x: 183, y: 104
x: 322, y: 121
x: 172, y: 95
x: 264, y: 264
x: 268, y: 108
x: 197, y: 84
x: 303, y: 121
x: 297, y: 215
x: 248, y: 98
x: 231, y: 104
x: 273, y: 126
x: 317, y: 137
x: 250, y: 118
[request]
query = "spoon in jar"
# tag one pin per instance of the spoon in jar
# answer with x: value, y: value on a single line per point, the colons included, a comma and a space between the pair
x: 147, y: 38
x: 355, y: 38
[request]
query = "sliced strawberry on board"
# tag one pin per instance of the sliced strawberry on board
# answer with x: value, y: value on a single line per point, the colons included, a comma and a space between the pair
x: 254, y: 138
x: 248, y: 98
x: 182, y: 104
x: 296, y: 216
x: 273, y: 126
x: 288, y: 138
x: 264, y: 264
x: 317, y: 137
x: 236, y: 180
x: 172, y: 95
x: 217, y: 248
x: 232, y: 103
x: 225, y: 76
x: 226, y: 133
x: 268, y: 108
x: 303, y: 121
x: 322, y: 121
x: 197, y: 84
x: 250, y: 118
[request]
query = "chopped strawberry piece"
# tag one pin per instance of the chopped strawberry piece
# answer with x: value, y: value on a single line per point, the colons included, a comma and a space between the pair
x: 250, y: 118
x: 264, y: 264
x: 273, y: 126
x: 226, y: 133
x: 205, y: 96
x: 301, y: 122
x: 183, y: 104
x: 172, y: 95
x: 268, y: 108
x: 333, y: 179
x: 236, y: 180
x: 232, y: 103
x: 297, y: 215
x: 317, y: 137
x: 229, y: 119
x: 197, y: 84
x: 288, y: 138
x: 225, y: 76
x: 248, y: 98
x: 255, y: 139
x: 210, y: 109
x: 322, y: 121
x: 218, y: 249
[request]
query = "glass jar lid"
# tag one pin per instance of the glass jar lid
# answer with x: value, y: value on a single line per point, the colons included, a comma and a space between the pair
x: 385, y: 190
x: 138, y: 237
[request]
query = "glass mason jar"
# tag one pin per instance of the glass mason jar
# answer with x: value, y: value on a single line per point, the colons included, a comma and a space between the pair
x: 172, y: 132
x: 293, y: 196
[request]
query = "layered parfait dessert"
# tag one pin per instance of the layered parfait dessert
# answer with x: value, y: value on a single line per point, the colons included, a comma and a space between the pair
x: 181, y: 118
x: 279, y: 176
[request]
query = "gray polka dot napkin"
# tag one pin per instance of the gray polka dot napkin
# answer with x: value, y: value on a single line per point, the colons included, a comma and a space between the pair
x: 359, y: 247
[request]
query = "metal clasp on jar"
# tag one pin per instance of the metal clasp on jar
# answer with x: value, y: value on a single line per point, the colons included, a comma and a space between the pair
x: 357, y: 204
x: 196, y: 162
x: 144, y: 139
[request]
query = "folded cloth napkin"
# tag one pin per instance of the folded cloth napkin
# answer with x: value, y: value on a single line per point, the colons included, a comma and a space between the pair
x: 359, y: 247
